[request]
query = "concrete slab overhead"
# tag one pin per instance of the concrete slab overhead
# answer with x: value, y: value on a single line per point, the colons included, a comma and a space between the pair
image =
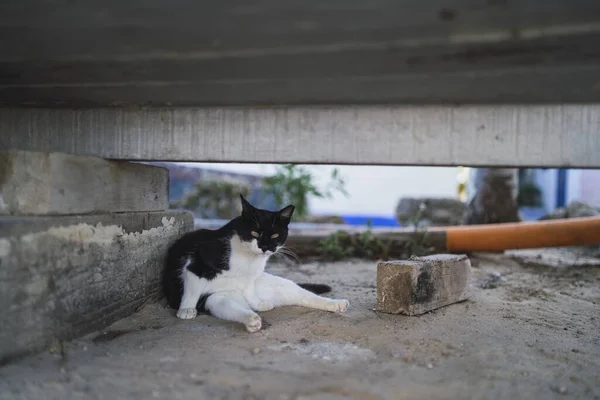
x: 156, y: 53
x: 510, y: 135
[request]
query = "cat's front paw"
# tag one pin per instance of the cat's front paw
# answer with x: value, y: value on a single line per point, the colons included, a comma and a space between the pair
x: 340, y: 306
x: 254, y: 324
x: 187, y: 313
x: 263, y: 306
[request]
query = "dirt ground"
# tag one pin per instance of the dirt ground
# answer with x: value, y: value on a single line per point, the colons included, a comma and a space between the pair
x: 533, y: 332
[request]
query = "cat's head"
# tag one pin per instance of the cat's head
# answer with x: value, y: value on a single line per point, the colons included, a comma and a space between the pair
x: 264, y: 231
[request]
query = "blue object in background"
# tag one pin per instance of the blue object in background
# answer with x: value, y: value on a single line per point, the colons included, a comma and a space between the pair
x: 561, y: 188
x: 528, y: 214
x: 376, y: 222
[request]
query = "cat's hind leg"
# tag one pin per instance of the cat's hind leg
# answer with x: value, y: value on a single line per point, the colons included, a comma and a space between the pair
x: 233, y: 307
x: 193, y: 286
x: 283, y: 292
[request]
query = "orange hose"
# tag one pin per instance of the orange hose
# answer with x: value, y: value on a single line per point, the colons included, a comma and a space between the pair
x: 524, y: 235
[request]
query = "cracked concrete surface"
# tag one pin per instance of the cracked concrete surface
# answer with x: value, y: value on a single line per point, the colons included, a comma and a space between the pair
x: 534, y: 334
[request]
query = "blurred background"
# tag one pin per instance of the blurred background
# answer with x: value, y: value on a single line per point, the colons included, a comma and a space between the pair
x: 382, y: 197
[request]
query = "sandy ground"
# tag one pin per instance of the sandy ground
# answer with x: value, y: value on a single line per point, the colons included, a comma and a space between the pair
x: 533, y: 333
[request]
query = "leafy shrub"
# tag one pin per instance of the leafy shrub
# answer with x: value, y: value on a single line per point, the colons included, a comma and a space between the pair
x: 294, y: 184
x: 215, y: 199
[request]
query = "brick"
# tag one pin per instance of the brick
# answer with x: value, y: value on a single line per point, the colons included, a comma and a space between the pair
x: 422, y: 284
x: 39, y: 183
x: 65, y: 276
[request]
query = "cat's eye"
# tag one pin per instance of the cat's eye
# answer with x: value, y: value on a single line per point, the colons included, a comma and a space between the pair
x: 255, y: 234
x: 275, y: 236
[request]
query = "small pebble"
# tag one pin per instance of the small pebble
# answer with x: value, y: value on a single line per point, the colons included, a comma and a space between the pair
x: 430, y: 366
x: 560, y: 389
x: 255, y: 350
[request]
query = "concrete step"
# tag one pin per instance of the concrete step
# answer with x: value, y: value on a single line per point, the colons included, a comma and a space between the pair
x: 65, y: 276
x: 40, y: 183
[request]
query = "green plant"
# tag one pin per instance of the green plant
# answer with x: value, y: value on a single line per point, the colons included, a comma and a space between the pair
x: 343, y: 245
x: 215, y: 199
x: 294, y: 184
x: 335, y: 246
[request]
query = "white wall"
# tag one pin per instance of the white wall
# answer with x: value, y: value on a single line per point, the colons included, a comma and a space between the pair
x: 573, y: 189
x: 548, y: 182
x: 590, y: 186
x: 373, y: 190
x: 582, y: 185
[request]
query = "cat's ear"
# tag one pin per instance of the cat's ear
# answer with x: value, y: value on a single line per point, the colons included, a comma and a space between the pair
x: 286, y: 213
x: 247, y: 208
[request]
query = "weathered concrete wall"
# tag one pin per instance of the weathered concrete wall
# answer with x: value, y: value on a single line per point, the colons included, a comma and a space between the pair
x: 41, y: 183
x: 61, y: 277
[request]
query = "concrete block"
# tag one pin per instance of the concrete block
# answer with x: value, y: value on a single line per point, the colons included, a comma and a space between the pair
x: 422, y: 284
x: 39, y: 183
x: 62, y: 277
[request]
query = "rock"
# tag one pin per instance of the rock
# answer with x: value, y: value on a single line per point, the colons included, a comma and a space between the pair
x: 431, y: 211
x: 422, y: 284
x: 493, y: 280
x: 576, y: 209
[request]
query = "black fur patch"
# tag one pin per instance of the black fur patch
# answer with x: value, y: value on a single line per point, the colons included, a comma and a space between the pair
x: 315, y: 288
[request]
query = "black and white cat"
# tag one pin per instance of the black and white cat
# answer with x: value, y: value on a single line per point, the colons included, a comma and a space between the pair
x: 222, y: 271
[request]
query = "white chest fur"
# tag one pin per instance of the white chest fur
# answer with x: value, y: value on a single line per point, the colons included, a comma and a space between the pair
x: 246, y: 263
x: 245, y: 258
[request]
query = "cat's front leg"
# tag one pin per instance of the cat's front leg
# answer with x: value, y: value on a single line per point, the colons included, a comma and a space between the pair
x: 192, y: 289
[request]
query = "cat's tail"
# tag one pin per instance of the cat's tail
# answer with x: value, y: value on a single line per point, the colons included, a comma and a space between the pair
x: 316, y: 288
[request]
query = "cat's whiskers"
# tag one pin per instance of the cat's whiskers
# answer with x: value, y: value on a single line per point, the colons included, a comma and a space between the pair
x: 288, y: 253
x: 281, y: 257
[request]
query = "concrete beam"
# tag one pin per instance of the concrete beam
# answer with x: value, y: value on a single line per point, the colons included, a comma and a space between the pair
x: 40, y: 183
x: 510, y: 135
x: 62, y: 277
